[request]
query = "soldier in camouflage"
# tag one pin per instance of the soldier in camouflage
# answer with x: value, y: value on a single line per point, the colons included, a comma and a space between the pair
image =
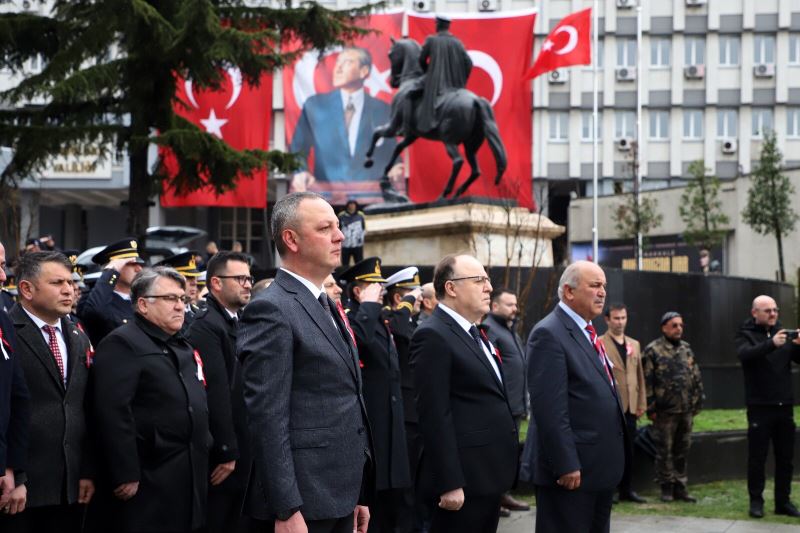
x: 674, y: 397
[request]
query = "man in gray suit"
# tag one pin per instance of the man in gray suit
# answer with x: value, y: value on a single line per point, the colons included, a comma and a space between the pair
x: 302, y: 385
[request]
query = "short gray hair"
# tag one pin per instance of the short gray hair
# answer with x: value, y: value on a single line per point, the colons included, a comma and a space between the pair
x: 284, y: 216
x: 571, y: 277
x: 144, y: 280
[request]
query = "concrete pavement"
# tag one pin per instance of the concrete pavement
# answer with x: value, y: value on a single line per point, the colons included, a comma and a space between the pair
x: 524, y: 523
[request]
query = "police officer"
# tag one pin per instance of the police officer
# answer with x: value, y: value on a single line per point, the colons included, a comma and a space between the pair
x: 77, y: 284
x: 108, y: 305
x: 185, y: 264
x: 380, y: 370
x: 8, y: 291
x: 674, y: 397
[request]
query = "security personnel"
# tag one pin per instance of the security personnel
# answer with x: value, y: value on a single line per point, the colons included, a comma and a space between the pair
x: 185, y: 264
x: 108, y: 305
x: 380, y: 369
x: 77, y: 284
x: 674, y: 397
x: 8, y: 293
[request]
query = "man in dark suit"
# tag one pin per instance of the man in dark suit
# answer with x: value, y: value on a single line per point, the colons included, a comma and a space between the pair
x: 579, y: 421
x: 151, y: 413
x: 213, y: 335
x: 108, y: 305
x: 338, y: 127
x: 470, y: 439
x: 302, y: 385
x: 55, y: 357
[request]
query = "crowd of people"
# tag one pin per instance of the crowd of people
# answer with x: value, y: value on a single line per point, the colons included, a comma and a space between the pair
x: 337, y: 399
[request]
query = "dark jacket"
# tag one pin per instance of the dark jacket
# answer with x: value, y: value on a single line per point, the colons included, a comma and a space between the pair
x: 767, y: 369
x: 152, y: 419
x: 213, y: 335
x: 514, y: 364
x: 402, y: 327
x: 102, y: 310
x: 59, y: 449
x: 380, y: 371
x: 14, y: 401
x: 470, y: 438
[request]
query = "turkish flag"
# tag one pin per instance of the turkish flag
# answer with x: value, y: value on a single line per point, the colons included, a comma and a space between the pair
x: 240, y: 115
x: 570, y: 43
x: 497, y: 74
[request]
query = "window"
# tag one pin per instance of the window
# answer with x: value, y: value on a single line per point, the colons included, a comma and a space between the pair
x: 727, y: 121
x: 559, y: 125
x: 586, y: 126
x: 794, y: 48
x: 624, y: 124
x: 36, y: 64
x: 693, y: 124
x: 793, y: 122
x: 626, y: 52
x: 762, y: 121
x: 729, y: 51
x: 659, y: 52
x: 694, y: 51
x: 764, y: 49
x: 659, y: 125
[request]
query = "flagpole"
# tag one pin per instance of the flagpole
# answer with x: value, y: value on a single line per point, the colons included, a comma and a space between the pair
x: 595, y: 177
x: 638, y: 152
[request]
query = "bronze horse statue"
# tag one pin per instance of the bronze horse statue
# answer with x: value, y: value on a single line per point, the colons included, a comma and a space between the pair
x: 466, y: 119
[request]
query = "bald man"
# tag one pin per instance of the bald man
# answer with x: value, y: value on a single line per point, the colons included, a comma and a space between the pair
x: 766, y: 352
x: 579, y: 420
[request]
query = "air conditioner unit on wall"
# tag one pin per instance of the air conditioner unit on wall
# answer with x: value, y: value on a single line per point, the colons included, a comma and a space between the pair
x: 729, y: 146
x: 764, y: 70
x: 559, y: 76
x: 626, y: 74
x: 624, y: 144
x: 625, y: 4
x: 487, y: 5
x: 422, y: 5
x: 694, y: 72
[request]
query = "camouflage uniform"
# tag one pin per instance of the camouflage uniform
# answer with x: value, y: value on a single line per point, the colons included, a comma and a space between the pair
x: 674, y: 395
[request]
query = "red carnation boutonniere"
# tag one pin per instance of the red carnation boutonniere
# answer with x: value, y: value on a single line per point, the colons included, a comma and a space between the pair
x: 200, y: 375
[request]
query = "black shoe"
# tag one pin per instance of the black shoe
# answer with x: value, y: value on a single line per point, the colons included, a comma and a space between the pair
x: 788, y: 509
x: 505, y: 513
x: 513, y: 504
x: 632, y: 497
x: 666, y: 492
x: 757, y: 509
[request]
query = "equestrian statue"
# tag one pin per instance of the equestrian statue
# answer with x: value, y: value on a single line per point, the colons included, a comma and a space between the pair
x: 432, y: 103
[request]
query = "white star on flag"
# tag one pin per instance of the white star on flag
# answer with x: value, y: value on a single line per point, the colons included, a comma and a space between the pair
x: 213, y: 124
x: 548, y: 44
x: 376, y: 82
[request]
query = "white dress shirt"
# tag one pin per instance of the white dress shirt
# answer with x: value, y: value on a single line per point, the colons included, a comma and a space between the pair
x: 465, y: 324
x: 358, y: 102
x: 62, y: 345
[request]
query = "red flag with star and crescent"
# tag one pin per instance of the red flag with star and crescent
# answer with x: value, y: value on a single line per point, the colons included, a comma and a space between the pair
x: 500, y: 46
x: 239, y: 114
x: 570, y: 43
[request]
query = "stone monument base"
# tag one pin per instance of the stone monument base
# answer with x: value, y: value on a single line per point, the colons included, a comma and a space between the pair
x: 497, y: 234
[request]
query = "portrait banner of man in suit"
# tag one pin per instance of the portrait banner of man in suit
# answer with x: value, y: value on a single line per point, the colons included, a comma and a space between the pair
x: 332, y: 103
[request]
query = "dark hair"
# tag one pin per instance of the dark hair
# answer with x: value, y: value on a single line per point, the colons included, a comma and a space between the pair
x: 145, y: 279
x: 218, y: 263
x: 498, y: 292
x: 388, y: 298
x: 30, y: 264
x: 614, y: 306
x: 442, y: 273
x: 284, y: 216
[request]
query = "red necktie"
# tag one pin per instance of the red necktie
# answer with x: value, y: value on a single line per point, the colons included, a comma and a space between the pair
x: 51, y: 332
x: 600, y: 349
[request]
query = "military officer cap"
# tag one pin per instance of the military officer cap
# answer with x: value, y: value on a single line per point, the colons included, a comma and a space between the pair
x: 124, y: 249
x: 201, y: 279
x: 408, y: 278
x: 184, y: 263
x: 669, y: 315
x: 80, y: 270
x: 368, y: 271
x: 11, y: 283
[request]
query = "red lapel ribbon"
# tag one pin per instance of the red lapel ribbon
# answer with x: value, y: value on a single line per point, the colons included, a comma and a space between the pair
x: 200, y: 375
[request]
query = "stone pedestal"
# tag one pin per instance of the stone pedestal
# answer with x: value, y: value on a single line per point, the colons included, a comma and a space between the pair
x: 498, y: 235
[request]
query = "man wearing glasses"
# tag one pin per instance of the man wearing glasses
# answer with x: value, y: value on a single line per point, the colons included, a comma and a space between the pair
x: 674, y: 397
x: 766, y: 352
x: 151, y: 412
x: 469, y: 459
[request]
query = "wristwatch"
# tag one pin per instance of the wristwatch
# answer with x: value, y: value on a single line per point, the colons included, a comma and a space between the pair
x: 286, y: 515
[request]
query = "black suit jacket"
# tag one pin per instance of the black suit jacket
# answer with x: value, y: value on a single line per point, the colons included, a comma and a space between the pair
x: 470, y: 438
x: 579, y: 420
x: 102, y: 310
x: 14, y: 401
x: 59, y: 450
x: 514, y: 364
x: 302, y: 391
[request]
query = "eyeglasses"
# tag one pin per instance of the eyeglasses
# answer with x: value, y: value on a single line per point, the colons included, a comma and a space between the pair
x: 170, y: 298
x: 241, y: 280
x: 479, y: 280
x: 772, y: 310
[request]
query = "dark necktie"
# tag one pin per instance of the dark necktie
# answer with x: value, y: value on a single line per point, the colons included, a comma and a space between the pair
x: 476, y: 336
x: 349, y: 113
x: 601, y: 351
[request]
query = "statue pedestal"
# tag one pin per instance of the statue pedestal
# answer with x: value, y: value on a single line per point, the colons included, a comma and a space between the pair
x: 498, y: 235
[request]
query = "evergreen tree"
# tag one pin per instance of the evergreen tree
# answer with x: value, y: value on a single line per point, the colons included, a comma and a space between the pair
x: 701, y: 208
x: 769, y: 201
x: 86, y: 96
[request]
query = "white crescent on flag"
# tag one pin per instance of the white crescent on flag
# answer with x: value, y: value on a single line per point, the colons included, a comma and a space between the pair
x: 484, y: 61
x: 571, y: 43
